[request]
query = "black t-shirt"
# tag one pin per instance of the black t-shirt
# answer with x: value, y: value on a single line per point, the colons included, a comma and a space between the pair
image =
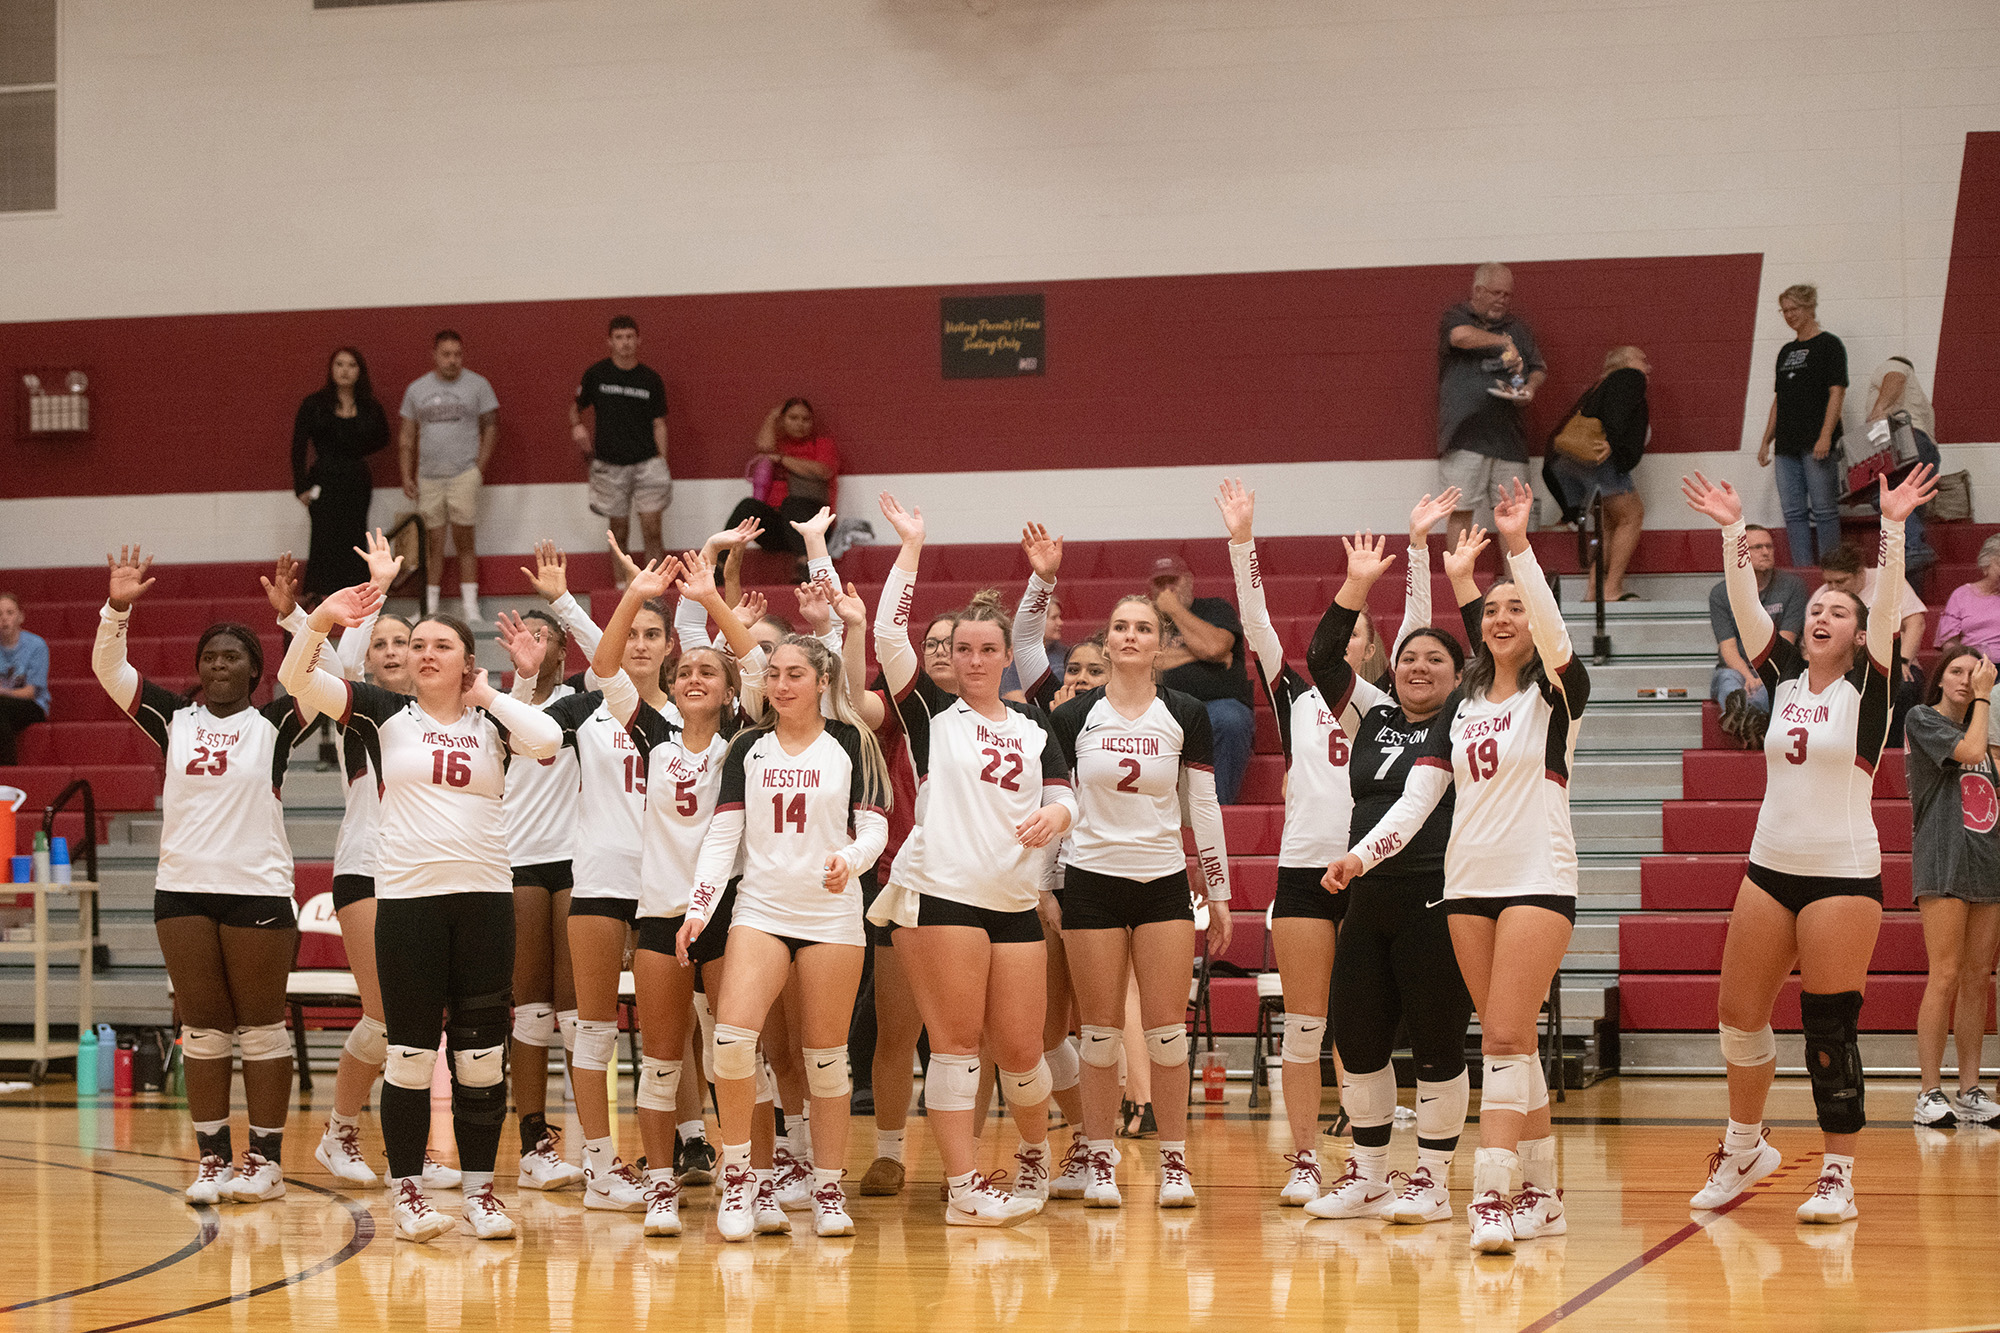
x: 628, y: 402
x: 1807, y: 374
x: 1213, y: 680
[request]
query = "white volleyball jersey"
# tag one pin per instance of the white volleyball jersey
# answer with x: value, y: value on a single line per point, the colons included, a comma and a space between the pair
x: 442, y: 828
x: 611, y: 800
x: 222, y: 819
x: 357, y: 848
x: 1319, y: 802
x: 541, y: 801
x: 1510, y: 762
x: 1820, y: 752
x: 682, y: 787
x: 980, y: 780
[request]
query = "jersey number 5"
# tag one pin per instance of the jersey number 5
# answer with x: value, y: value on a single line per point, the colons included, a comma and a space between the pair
x: 212, y: 762
x: 685, y: 801
x: 796, y: 814
x: 1005, y: 781
x: 451, y: 768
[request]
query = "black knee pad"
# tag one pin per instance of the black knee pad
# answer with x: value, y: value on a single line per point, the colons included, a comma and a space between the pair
x: 1833, y: 1058
x: 479, y: 1106
x: 479, y: 1021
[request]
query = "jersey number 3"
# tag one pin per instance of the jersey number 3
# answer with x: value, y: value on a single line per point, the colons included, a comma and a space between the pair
x: 1797, y: 754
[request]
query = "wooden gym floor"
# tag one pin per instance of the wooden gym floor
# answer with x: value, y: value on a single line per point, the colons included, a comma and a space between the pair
x: 96, y: 1236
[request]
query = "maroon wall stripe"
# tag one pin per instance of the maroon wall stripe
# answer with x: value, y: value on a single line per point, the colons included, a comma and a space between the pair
x: 1968, y: 412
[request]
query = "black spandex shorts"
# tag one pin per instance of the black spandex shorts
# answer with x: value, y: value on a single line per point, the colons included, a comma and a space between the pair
x: 658, y: 933
x: 244, y: 911
x: 714, y: 937
x: 1492, y: 907
x: 882, y: 937
x: 554, y: 876
x: 1796, y: 892
x: 1000, y: 927
x: 351, y: 889
x: 1105, y: 902
x: 618, y: 909
x: 1300, y: 893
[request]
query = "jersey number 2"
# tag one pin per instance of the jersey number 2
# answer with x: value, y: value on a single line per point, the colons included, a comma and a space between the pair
x: 212, y: 762
x: 1797, y: 754
x: 1005, y: 781
x: 1130, y: 782
x: 796, y: 814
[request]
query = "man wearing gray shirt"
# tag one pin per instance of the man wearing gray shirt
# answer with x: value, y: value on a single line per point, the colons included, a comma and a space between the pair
x: 1481, y: 347
x: 450, y: 425
x: 1735, y: 685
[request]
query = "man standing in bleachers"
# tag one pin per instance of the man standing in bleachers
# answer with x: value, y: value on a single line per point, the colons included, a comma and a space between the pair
x: 1735, y: 687
x: 24, y: 677
x: 1488, y: 370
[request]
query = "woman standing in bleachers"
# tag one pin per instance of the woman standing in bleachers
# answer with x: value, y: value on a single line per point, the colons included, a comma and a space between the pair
x: 222, y: 902
x: 341, y: 423
x: 1813, y: 895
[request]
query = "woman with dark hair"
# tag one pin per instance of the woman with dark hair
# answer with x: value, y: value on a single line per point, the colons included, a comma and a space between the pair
x: 791, y: 477
x: 341, y: 423
x: 222, y: 902
x: 1956, y: 874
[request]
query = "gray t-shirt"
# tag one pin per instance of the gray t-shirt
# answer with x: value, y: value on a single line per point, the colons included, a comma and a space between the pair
x: 447, y: 414
x: 1955, y: 852
x: 1469, y: 417
x: 1785, y: 599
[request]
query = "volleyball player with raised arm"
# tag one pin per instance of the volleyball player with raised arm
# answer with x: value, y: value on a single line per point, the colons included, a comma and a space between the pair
x: 222, y: 899
x: 1138, y: 755
x: 444, y: 916
x: 801, y: 802
x: 1318, y: 809
x: 1509, y: 870
x: 1396, y: 972
x: 1813, y: 895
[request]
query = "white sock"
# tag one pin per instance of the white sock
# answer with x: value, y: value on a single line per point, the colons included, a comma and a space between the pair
x: 824, y: 1176
x: 468, y: 593
x: 473, y: 1181
x: 1179, y: 1147
x: 210, y: 1126
x: 598, y: 1155
x: 1308, y: 1158
x: 659, y: 1175
x: 736, y: 1154
x: 339, y: 1121
x: 1437, y: 1161
x: 1034, y: 1149
x: 1538, y: 1163
x: 1102, y: 1146
x: 1374, y: 1162
x: 889, y: 1144
x: 1834, y: 1161
x: 960, y: 1185
x: 432, y: 592
x: 691, y: 1131
x: 1741, y: 1138
x: 396, y: 1184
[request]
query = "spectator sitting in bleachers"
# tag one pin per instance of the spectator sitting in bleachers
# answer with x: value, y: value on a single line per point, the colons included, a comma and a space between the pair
x: 792, y: 477
x: 1972, y: 613
x: 1010, y: 680
x: 1843, y: 569
x: 24, y: 677
x: 1735, y: 686
x: 1201, y: 654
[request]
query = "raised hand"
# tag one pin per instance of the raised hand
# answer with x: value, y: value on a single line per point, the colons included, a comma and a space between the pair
x: 383, y: 562
x: 1718, y: 500
x: 1983, y: 675
x: 523, y: 645
x: 619, y: 560
x: 817, y: 525
x: 698, y: 579
x: 908, y: 523
x: 1512, y: 508
x: 349, y: 607
x: 1429, y: 512
x: 752, y: 608
x: 1239, y: 508
x: 749, y: 530
x: 282, y: 588
x: 1918, y: 489
x: 654, y: 580
x: 1069, y: 690
x: 1461, y: 559
x: 128, y: 576
x: 1044, y: 551
x: 1366, y: 559
x: 812, y: 605
x: 853, y: 612
x: 550, y: 576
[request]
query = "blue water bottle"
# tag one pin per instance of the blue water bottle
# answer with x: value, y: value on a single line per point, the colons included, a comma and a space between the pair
x: 107, y: 1056
x: 86, y: 1063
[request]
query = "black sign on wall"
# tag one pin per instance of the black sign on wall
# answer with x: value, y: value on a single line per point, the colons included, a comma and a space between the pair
x: 993, y: 337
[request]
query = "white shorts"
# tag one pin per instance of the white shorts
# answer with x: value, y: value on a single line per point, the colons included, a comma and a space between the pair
x: 453, y: 500
x: 1476, y: 477
x: 617, y: 490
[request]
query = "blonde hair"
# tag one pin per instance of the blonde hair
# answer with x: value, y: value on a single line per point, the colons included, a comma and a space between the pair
x: 1375, y: 659
x: 826, y: 666
x: 1800, y: 293
x: 986, y: 608
x: 1619, y: 357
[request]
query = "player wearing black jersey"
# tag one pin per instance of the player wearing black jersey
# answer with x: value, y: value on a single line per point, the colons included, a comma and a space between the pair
x: 222, y: 900
x: 1813, y: 896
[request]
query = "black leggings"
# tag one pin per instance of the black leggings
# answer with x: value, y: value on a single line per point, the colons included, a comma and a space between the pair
x: 446, y: 966
x: 1395, y: 965
x: 779, y: 534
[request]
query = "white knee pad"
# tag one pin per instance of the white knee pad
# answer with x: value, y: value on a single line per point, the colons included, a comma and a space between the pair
x: 1538, y: 1084
x: 368, y: 1041
x: 951, y: 1082
x: 659, y: 1084
x: 1167, y: 1047
x: 767, y: 1082
x: 1369, y: 1099
x: 826, y: 1071
x: 266, y: 1041
x: 1509, y: 1084
x: 734, y: 1055
x: 206, y: 1044
x: 411, y: 1067
x: 596, y: 1044
x: 1303, y: 1036
x: 1102, y: 1047
x: 1441, y: 1107
x: 1749, y: 1048
x: 481, y: 1068
x: 1064, y: 1065
x: 535, y: 1024
x: 1030, y: 1089
x: 566, y: 1023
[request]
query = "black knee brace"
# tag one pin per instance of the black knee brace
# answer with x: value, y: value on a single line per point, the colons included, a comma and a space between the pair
x: 1833, y: 1058
x: 479, y: 1106
x: 479, y: 1022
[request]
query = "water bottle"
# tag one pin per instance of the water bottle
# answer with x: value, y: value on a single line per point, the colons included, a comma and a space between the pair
x: 107, y: 1056
x: 86, y: 1063
x: 1214, y: 1076
x: 40, y: 857
x: 121, y: 1075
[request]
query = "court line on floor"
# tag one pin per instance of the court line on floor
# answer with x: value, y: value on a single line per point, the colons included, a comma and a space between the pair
x: 1686, y: 1233
x: 208, y: 1230
x: 358, y: 1214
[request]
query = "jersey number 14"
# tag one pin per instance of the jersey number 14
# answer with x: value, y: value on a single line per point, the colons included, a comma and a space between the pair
x: 795, y: 814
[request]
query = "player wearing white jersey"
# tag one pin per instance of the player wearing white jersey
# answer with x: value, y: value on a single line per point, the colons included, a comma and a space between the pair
x: 963, y: 895
x: 1510, y: 868
x: 801, y: 801
x: 1318, y: 809
x: 222, y: 900
x: 444, y: 926
x: 1138, y: 756
x: 1813, y: 895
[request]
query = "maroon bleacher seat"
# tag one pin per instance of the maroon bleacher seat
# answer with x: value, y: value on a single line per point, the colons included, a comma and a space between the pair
x: 1728, y: 826
x: 1709, y: 882
x: 1738, y: 775
x: 1692, y: 942
x: 1665, y: 1003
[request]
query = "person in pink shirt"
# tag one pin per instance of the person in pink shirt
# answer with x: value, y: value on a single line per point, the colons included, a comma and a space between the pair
x: 1972, y: 613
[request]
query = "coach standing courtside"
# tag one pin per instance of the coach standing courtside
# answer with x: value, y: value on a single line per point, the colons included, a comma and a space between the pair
x: 451, y: 421
x: 628, y: 458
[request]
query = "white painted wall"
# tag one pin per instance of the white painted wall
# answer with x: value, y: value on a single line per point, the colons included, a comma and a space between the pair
x: 229, y: 155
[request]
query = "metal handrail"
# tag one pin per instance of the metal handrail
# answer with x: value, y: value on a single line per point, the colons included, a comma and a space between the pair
x: 100, y: 956
x: 423, y: 571
x: 1590, y: 554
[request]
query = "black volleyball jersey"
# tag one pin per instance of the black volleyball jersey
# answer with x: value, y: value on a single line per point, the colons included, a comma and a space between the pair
x: 1385, y: 745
